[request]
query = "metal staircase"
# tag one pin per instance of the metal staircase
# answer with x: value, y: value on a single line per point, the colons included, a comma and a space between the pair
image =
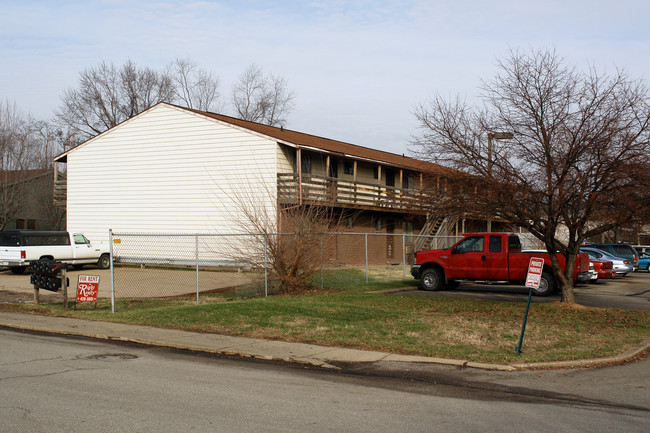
x: 434, y: 226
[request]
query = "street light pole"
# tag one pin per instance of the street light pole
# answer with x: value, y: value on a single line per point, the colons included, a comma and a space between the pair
x: 490, y: 137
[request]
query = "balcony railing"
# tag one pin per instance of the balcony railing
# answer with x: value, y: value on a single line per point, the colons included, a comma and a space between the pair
x: 344, y: 193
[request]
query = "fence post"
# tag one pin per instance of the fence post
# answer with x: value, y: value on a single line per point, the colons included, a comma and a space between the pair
x: 266, y: 273
x: 404, y: 255
x: 366, y: 236
x: 321, y: 261
x: 110, y: 246
x: 196, y: 253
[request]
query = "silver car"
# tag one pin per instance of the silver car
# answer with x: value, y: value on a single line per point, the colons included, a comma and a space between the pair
x: 622, y: 266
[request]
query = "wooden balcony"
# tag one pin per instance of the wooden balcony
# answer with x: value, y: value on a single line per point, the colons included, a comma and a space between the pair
x: 314, y: 189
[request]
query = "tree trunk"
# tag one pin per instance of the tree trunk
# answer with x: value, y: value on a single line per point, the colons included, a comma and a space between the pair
x: 568, y: 295
x: 565, y: 283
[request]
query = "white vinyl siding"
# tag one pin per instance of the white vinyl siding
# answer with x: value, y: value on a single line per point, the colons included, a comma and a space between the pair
x: 168, y: 170
x: 285, y: 158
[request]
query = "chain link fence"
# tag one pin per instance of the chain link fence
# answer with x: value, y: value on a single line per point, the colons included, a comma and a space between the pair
x: 151, y: 266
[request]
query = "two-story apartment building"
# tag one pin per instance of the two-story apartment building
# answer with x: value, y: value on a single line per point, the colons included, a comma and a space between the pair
x: 179, y: 170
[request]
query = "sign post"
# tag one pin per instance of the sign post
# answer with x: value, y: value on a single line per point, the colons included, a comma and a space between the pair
x: 534, y: 276
x: 87, y: 288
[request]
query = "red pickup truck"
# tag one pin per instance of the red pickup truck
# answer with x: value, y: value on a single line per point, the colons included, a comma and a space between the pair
x: 495, y: 257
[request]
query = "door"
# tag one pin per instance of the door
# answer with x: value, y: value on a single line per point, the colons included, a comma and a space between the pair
x: 467, y: 260
x: 496, y: 259
x: 390, y: 239
x: 82, y: 248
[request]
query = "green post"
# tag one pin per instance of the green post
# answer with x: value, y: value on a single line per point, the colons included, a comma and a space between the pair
x: 523, y: 327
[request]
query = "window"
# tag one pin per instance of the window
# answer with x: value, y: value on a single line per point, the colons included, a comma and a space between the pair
x: 22, y: 224
x: 495, y: 244
x: 407, y: 228
x: 81, y: 240
x: 375, y: 173
x: 390, y: 178
x: 472, y: 244
x: 45, y: 238
x: 406, y: 182
x: 378, y: 226
x: 514, y: 244
x: 9, y: 239
x: 306, y: 163
x: 348, y: 167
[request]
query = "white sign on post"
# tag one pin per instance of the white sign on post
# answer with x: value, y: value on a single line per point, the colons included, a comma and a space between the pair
x: 534, y: 275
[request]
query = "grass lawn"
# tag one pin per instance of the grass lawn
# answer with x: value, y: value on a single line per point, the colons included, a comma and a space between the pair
x: 476, y: 330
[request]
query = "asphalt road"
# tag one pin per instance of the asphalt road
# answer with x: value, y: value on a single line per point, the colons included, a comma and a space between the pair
x: 58, y: 384
x: 631, y: 292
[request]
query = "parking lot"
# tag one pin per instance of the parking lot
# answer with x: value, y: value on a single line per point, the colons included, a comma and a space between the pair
x: 133, y: 282
x: 631, y: 292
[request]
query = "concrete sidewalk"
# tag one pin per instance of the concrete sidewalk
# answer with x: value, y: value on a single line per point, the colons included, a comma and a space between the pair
x: 306, y: 354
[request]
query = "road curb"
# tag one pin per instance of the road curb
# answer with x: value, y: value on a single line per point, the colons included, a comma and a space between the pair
x: 628, y: 356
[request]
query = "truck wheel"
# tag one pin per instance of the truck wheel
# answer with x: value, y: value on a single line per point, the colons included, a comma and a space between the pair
x: 431, y: 279
x: 18, y: 269
x: 104, y: 261
x: 546, y: 284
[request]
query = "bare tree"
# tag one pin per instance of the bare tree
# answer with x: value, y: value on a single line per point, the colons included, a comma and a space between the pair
x: 195, y: 87
x: 108, y: 95
x: 262, y: 98
x: 20, y: 151
x: 287, y: 240
x: 558, y: 152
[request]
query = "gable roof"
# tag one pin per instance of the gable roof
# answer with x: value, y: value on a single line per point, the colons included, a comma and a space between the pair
x: 308, y: 141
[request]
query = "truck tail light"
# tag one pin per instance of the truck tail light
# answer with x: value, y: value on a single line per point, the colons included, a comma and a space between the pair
x: 23, y: 255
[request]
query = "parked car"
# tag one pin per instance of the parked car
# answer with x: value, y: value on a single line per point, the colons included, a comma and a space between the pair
x: 621, y: 266
x: 644, y: 261
x: 603, y: 269
x: 592, y: 272
x: 624, y: 251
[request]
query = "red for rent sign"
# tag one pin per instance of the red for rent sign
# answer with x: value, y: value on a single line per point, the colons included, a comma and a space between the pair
x: 534, y: 275
x: 87, y: 288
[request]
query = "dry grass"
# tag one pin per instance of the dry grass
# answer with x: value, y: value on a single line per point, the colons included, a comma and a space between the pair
x: 477, y: 330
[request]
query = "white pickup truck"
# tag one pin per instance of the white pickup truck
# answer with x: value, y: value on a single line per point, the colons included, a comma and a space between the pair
x: 19, y: 247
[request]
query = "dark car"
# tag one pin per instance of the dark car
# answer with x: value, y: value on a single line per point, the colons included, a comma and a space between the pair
x: 623, y: 251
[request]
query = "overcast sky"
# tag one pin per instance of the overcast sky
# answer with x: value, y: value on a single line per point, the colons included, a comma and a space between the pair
x: 358, y: 68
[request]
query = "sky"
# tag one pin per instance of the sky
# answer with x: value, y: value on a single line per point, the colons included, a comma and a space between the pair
x: 358, y: 68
